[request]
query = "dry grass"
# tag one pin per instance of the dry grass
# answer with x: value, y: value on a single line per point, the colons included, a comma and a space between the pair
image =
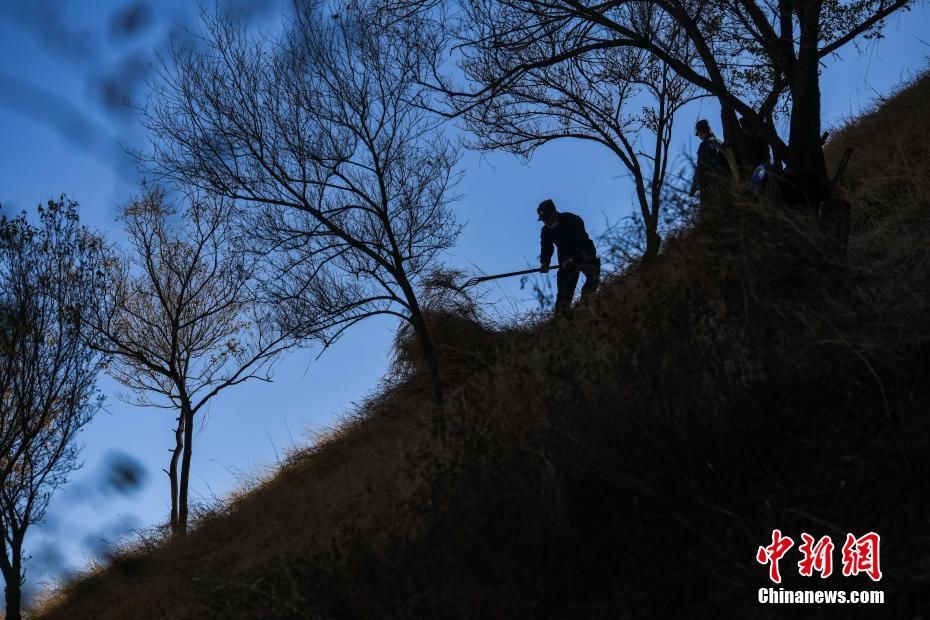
x: 623, y: 461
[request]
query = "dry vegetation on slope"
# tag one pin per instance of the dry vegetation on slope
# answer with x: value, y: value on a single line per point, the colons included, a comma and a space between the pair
x: 624, y: 461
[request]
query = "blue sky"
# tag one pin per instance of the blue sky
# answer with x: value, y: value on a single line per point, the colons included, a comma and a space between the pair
x: 66, y: 68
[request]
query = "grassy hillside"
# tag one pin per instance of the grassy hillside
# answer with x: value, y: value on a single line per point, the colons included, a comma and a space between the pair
x: 624, y: 461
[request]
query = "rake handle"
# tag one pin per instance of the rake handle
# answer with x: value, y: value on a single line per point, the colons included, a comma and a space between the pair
x: 524, y: 272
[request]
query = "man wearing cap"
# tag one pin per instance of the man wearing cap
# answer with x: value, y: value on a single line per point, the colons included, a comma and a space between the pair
x: 711, y: 166
x: 577, y: 254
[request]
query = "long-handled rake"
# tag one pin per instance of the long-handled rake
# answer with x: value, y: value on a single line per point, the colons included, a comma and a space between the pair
x: 480, y: 279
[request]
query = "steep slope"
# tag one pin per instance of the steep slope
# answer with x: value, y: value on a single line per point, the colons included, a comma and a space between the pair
x: 626, y: 460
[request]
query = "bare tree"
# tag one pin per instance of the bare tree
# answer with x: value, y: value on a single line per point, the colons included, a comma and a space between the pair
x: 758, y: 58
x: 47, y: 373
x: 623, y: 98
x: 180, y: 320
x: 624, y: 240
x: 321, y: 137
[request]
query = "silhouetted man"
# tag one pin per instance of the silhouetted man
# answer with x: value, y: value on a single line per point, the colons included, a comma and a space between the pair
x: 712, y: 167
x: 577, y: 254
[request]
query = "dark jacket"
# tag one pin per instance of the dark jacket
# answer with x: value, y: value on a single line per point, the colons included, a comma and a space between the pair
x: 711, y: 164
x: 569, y: 236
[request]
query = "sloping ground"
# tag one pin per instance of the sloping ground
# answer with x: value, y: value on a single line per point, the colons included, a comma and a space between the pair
x: 626, y: 460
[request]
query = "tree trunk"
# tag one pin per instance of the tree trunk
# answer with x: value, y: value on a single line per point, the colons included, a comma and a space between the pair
x: 423, y: 334
x: 14, y: 597
x: 650, y: 212
x: 733, y: 135
x: 12, y: 576
x: 185, y: 468
x: 807, y: 167
x: 173, y: 472
x: 653, y: 240
x: 429, y: 353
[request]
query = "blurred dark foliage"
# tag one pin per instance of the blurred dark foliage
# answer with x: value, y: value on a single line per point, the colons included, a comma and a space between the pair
x: 46, y: 562
x: 103, y: 540
x: 129, y: 21
x: 118, y: 474
x: 111, y: 47
x: 122, y: 474
x: 121, y: 83
x: 47, y: 558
